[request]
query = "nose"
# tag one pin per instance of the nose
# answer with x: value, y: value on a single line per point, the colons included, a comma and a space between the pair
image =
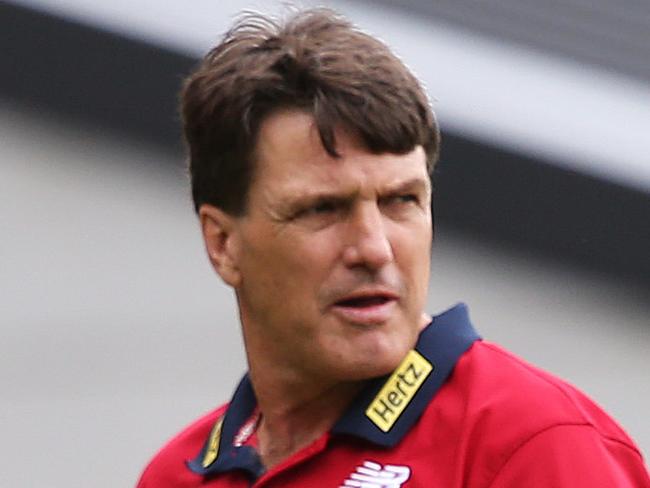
x: 367, y: 243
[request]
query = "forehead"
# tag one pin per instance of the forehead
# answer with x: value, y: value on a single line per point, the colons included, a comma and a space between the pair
x: 290, y: 157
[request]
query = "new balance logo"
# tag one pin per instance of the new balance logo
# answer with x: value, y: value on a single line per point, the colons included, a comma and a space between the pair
x: 374, y: 475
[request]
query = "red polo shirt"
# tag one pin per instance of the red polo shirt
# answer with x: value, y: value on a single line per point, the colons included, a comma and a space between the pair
x: 457, y: 413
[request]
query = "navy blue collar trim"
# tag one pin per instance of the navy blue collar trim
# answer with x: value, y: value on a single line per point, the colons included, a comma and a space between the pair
x: 231, y: 457
x: 441, y: 343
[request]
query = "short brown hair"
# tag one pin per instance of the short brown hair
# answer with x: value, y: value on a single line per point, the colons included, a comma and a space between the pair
x: 315, y: 61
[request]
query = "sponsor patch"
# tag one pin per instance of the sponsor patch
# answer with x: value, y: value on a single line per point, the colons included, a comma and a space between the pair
x: 399, y: 390
x: 212, y: 451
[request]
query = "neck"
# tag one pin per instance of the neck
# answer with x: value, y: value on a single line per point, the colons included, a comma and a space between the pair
x: 295, y: 413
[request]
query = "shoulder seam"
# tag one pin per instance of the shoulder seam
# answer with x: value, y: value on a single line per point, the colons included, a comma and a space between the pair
x: 528, y: 439
x: 533, y: 371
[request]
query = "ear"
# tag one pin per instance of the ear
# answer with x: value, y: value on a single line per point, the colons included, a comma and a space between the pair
x: 221, y: 242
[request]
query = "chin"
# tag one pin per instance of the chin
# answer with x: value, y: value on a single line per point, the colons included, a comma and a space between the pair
x: 372, y: 365
x: 367, y: 371
x: 367, y: 352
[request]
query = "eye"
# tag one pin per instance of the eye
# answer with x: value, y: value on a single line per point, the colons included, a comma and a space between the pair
x: 408, y: 198
x: 402, y: 199
x: 320, y: 208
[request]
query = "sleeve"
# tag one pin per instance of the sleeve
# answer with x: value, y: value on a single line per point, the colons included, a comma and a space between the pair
x: 573, y: 456
x: 142, y: 483
x: 168, y: 471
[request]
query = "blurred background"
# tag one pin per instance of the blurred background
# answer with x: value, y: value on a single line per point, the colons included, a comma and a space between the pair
x: 114, y: 332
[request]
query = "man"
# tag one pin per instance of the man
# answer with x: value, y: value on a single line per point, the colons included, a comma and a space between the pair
x: 311, y: 147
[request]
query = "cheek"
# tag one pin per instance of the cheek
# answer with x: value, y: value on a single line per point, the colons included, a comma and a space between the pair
x: 413, y: 256
x: 293, y: 265
x: 311, y: 263
x: 413, y: 242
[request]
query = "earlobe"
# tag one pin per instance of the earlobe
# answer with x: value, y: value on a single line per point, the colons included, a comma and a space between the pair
x: 220, y: 237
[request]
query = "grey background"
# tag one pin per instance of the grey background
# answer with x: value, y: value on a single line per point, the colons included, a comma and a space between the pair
x: 115, y: 332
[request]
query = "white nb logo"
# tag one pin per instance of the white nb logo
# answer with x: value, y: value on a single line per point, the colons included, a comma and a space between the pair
x: 374, y: 475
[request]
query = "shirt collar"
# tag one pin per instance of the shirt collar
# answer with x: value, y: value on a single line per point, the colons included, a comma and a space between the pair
x: 220, y: 453
x: 439, y: 346
x: 382, y: 413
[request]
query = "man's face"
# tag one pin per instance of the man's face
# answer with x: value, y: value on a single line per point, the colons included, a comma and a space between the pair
x: 332, y: 255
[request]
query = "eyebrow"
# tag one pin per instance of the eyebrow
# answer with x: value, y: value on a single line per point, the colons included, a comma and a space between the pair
x: 416, y: 185
x: 308, y: 199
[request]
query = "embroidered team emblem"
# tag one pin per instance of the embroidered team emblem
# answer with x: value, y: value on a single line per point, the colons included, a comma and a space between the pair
x: 374, y: 475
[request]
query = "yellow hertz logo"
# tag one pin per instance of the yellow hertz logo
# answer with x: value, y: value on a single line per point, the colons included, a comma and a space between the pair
x: 399, y: 390
x: 212, y: 451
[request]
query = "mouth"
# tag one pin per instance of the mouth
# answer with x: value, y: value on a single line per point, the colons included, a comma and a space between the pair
x: 366, y: 308
x: 361, y: 302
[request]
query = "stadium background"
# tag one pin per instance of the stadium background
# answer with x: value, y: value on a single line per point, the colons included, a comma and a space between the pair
x: 113, y: 330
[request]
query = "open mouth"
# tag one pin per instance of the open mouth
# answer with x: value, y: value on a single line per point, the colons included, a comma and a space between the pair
x: 366, y: 308
x: 362, y: 302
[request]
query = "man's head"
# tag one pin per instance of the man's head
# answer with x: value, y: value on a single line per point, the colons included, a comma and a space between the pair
x: 317, y: 62
x: 311, y: 147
